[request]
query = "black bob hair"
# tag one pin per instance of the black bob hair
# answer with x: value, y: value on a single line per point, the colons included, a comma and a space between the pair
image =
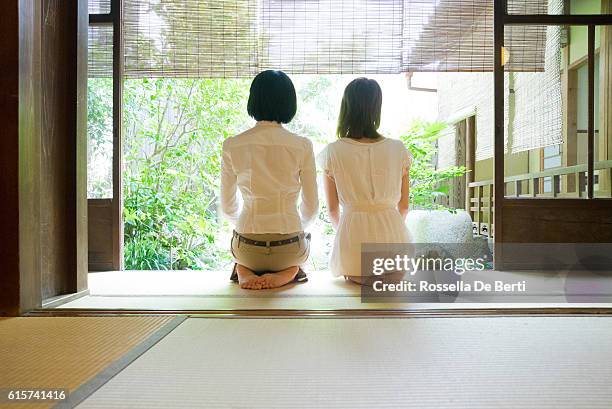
x: 272, y: 97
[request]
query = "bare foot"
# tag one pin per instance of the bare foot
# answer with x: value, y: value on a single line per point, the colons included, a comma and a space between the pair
x: 280, y: 278
x: 255, y: 284
x: 365, y: 281
x: 393, y: 278
x: 247, y: 279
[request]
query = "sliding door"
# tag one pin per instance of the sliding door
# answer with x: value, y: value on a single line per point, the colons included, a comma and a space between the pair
x: 552, y: 132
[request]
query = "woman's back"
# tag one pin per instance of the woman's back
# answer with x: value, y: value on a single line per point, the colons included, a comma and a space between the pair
x: 271, y: 166
x: 368, y: 180
x: 366, y: 173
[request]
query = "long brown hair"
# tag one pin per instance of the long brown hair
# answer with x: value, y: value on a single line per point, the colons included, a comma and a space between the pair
x: 360, y: 110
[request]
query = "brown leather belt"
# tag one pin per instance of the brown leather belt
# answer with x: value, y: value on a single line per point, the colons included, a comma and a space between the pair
x: 273, y: 243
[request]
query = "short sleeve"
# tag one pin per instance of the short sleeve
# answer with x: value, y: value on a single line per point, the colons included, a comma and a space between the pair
x: 324, y: 161
x: 406, y: 160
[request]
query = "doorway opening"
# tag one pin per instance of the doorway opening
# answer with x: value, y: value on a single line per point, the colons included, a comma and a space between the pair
x: 173, y: 132
x: 148, y: 153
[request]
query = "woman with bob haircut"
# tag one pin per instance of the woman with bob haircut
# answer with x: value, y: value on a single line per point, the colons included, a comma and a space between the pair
x: 272, y: 168
x: 366, y: 175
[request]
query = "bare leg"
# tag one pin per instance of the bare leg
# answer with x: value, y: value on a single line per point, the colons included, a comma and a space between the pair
x: 280, y: 278
x: 248, y: 279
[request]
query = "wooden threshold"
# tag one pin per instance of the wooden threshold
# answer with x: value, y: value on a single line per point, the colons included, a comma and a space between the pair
x: 56, y: 301
x: 340, y: 313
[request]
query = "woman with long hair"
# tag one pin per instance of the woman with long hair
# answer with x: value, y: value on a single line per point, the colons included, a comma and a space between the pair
x: 366, y: 180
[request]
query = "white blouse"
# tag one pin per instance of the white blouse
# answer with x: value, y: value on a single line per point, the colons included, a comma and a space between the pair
x: 368, y: 179
x: 270, y: 166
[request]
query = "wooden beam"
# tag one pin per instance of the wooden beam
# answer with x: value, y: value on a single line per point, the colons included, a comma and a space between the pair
x: 557, y: 19
x: 117, y: 205
x: 591, y: 113
x: 82, y: 34
x: 100, y: 19
x: 499, y: 11
x: 470, y: 157
x: 20, y: 83
x: 605, y: 98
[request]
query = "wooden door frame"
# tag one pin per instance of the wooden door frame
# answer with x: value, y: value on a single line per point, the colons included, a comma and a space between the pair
x: 43, y: 151
x: 107, y: 222
x: 501, y: 19
x: 545, y: 219
x: 116, y: 12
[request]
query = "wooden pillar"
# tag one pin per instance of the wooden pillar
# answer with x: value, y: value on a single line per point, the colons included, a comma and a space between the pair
x: 64, y: 147
x: 470, y: 158
x: 570, y: 138
x: 43, y: 101
x: 605, y: 98
x: 117, y: 236
x: 20, y: 83
x: 499, y: 10
x: 458, y: 185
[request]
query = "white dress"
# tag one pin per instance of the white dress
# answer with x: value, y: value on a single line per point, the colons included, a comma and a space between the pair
x: 368, y: 179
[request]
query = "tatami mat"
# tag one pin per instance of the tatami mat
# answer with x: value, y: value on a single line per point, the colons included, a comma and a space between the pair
x: 66, y: 352
x: 495, y: 362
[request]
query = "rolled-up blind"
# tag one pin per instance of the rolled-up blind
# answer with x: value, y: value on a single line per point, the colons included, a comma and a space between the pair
x: 537, y: 105
x: 100, y: 51
x: 236, y: 38
x: 190, y: 38
x: 332, y: 36
x: 99, y: 6
x: 532, y: 100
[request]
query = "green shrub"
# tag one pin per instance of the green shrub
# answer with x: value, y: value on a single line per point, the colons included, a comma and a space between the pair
x: 426, y: 182
x: 174, y: 130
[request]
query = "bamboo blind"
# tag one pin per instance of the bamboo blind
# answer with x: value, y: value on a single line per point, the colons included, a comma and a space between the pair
x: 534, y: 7
x: 237, y: 38
x: 532, y: 100
x: 100, y: 51
x: 99, y: 6
x: 537, y: 106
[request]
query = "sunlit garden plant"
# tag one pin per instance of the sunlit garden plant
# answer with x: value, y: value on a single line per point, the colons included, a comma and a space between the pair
x: 174, y: 129
x: 427, y: 182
